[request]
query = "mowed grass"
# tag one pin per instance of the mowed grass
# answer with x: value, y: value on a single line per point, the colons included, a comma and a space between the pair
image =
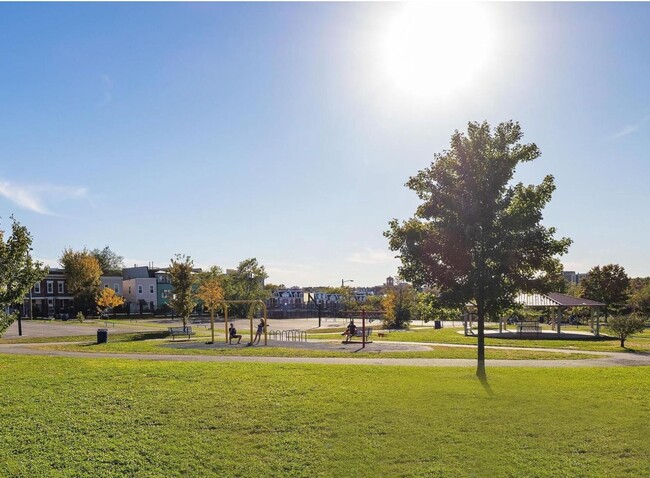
x: 126, y: 344
x: 62, y: 417
x: 638, y: 343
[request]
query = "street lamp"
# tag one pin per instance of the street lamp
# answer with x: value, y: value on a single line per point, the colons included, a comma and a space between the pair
x: 343, y: 281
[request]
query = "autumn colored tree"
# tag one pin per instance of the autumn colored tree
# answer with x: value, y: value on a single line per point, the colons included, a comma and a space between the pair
x: 182, y: 280
x: 210, y: 292
x: 399, y: 304
x: 82, y: 273
x: 108, y: 299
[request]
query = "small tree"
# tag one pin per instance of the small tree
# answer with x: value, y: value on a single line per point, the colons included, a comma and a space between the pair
x: 18, y: 272
x: 210, y: 292
x: 108, y: 299
x: 608, y: 284
x: 626, y: 326
x: 180, y: 275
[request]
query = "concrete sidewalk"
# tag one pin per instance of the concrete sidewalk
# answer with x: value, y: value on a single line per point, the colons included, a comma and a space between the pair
x: 613, y: 360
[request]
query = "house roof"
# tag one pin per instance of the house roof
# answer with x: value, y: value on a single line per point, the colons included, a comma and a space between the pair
x: 555, y: 299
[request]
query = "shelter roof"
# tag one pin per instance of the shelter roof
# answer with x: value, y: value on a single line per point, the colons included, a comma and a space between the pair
x: 555, y: 299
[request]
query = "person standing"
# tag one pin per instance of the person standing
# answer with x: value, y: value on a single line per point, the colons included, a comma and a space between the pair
x: 260, y: 331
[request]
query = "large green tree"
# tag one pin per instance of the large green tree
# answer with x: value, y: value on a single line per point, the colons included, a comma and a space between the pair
x: 110, y: 262
x: 608, y: 284
x: 82, y: 273
x: 18, y: 271
x: 181, y: 277
x: 476, y: 236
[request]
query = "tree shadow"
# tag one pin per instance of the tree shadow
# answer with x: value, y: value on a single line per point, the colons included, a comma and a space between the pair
x: 486, y: 385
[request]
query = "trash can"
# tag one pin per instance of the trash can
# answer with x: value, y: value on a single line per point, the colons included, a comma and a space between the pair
x: 438, y: 324
x: 102, y: 336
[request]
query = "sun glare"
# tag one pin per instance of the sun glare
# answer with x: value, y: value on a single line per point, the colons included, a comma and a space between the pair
x: 433, y: 50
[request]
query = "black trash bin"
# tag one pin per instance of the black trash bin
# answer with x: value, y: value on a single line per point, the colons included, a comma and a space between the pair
x: 438, y: 324
x: 102, y: 336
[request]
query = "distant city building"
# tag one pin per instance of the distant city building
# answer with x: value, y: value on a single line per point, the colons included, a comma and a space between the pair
x: 573, y: 277
x: 293, y: 297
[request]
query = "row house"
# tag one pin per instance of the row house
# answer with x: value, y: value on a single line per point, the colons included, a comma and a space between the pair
x: 49, y: 297
x: 139, y: 289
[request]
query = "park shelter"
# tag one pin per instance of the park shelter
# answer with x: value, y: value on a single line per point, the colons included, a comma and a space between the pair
x: 560, y: 302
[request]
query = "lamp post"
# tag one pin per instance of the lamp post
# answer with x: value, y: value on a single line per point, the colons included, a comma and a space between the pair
x: 343, y: 281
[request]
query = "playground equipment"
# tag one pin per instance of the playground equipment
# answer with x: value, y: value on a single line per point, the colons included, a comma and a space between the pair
x: 225, y: 304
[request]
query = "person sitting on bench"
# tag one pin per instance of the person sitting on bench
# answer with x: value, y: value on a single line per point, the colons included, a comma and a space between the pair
x: 233, y: 333
x: 350, y: 330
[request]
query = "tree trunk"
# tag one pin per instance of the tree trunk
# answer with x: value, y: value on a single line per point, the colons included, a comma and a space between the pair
x: 623, y: 343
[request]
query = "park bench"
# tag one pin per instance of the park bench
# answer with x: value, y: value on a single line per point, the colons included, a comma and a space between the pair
x: 529, y: 327
x: 358, y: 333
x: 174, y: 331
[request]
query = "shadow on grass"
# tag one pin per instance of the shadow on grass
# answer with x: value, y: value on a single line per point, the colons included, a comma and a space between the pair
x: 139, y: 337
x: 486, y: 385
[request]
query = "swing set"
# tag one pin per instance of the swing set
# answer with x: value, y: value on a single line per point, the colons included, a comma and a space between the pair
x: 226, y: 303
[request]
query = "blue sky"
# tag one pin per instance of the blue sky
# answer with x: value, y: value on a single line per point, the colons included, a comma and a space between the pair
x: 227, y: 131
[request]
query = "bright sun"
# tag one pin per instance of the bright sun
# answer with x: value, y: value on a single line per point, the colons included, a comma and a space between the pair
x: 432, y: 50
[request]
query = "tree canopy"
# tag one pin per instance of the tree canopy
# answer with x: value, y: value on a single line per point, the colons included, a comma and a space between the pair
x: 108, y: 299
x: 18, y: 271
x: 477, y: 237
x: 180, y: 275
x: 82, y: 272
x: 109, y: 261
x: 608, y: 284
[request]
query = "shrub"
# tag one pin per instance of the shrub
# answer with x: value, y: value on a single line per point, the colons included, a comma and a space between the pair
x: 80, y: 317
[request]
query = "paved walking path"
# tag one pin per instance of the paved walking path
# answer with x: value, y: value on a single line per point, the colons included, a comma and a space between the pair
x: 610, y: 360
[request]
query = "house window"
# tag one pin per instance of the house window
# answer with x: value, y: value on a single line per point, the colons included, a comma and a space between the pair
x: 49, y: 302
x: 151, y: 289
x: 60, y: 287
x: 129, y: 290
x: 139, y: 289
x: 116, y: 288
x: 37, y: 288
x: 105, y: 286
x: 50, y: 287
x: 165, y: 294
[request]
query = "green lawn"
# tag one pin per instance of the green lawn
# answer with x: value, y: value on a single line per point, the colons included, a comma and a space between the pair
x: 62, y: 417
x: 640, y: 342
x: 132, y: 343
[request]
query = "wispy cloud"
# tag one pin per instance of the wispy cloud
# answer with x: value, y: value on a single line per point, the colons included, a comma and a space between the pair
x: 34, y: 197
x: 372, y: 256
x: 631, y: 128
